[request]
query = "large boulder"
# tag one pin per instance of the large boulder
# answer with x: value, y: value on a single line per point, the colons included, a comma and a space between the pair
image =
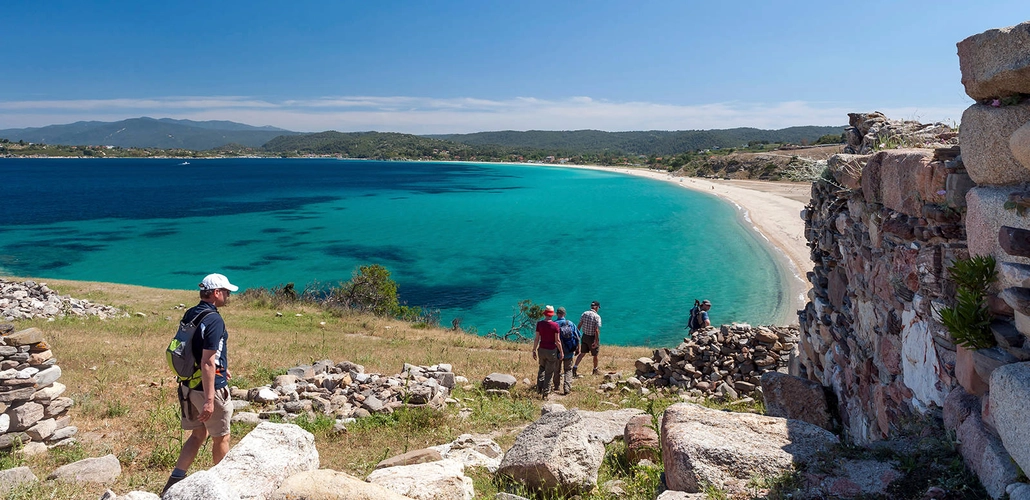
x: 202, y: 485
x: 986, y: 456
x: 105, y: 469
x: 259, y: 463
x: 1010, y: 405
x: 787, y: 396
x: 703, y: 446
x: 324, y: 484
x: 996, y: 63
x: 557, y: 452
x: 985, y: 136
x: 440, y: 480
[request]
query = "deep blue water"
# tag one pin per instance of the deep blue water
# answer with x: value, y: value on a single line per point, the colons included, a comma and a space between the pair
x: 468, y: 239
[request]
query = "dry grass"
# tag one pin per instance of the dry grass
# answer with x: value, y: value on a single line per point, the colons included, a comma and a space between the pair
x: 124, y: 392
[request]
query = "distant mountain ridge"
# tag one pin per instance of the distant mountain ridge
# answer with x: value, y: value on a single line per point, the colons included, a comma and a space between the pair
x: 145, y: 132
x: 652, y: 142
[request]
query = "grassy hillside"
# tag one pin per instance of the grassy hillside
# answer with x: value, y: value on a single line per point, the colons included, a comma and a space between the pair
x: 125, y: 394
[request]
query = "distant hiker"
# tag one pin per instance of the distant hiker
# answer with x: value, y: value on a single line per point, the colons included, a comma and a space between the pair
x: 590, y: 327
x: 205, y: 405
x: 699, y: 316
x: 569, y: 335
x: 547, y: 349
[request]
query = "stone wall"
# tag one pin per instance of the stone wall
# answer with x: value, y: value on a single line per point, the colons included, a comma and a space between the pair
x: 884, y: 231
x: 32, y: 409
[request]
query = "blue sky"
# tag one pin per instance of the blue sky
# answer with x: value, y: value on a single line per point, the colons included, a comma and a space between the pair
x: 466, y: 66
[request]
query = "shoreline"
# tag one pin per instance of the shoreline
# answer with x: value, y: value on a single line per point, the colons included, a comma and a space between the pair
x: 772, y: 209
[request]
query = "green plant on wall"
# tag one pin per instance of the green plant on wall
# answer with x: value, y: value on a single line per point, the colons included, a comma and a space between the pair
x: 969, y: 320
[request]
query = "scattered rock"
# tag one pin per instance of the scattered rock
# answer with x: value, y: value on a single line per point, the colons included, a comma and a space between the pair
x: 327, y: 484
x: 499, y: 381
x: 441, y: 480
x: 557, y: 452
x: 473, y: 451
x: 105, y: 469
x: 412, y: 457
x: 702, y: 446
x: 12, y: 478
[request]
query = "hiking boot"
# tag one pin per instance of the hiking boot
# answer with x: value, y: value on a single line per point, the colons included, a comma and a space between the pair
x: 171, y: 482
x: 595, y: 372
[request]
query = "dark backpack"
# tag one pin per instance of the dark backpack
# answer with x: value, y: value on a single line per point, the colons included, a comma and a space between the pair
x: 182, y: 351
x: 696, y: 320
x: 569, y: 336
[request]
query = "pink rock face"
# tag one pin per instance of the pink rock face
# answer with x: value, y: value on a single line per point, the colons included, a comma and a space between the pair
x: 641, y: 440
x: 904, y: 180
x: 965, y: 372
x: 890, y: 353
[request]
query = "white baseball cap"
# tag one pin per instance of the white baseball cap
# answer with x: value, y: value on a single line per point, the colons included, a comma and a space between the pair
x: 217, y: 281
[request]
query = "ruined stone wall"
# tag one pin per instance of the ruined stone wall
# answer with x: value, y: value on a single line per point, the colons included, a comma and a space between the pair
x: 883, y: 232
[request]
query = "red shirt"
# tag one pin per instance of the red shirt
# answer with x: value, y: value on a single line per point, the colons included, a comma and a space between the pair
x: 548, y: 331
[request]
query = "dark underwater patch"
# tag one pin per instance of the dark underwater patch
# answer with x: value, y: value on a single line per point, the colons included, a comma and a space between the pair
x: 158, y: 233
x: 243, y: 243
x: 278, y: 258
x: 453, y: 296
x: 370, y: 253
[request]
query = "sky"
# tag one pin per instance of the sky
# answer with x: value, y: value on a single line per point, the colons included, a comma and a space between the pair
x: 435, y: 67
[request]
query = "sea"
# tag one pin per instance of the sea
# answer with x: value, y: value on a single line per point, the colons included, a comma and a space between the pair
x: 470, y: 240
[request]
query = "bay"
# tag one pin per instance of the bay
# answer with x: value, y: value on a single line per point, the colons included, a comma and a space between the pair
x: 468, y: 239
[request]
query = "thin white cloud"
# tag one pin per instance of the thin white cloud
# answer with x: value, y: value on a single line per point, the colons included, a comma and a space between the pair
x: 426, y: 115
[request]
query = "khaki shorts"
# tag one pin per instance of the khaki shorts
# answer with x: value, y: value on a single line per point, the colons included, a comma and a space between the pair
x: 218, y: 424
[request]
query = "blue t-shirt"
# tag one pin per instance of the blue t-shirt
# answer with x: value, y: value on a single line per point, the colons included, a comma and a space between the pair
x: 214, y: 337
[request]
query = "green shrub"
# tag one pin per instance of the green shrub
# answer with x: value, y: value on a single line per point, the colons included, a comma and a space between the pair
x: 969, y: 320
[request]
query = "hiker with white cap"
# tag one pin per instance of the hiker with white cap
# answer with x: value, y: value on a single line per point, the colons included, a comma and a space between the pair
x: 547, y: 350
x: 206, y: 406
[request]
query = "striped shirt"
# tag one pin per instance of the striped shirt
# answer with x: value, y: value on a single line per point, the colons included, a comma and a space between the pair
x: 590, y: 323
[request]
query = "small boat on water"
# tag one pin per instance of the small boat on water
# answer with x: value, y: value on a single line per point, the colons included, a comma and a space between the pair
x: 184, y: 163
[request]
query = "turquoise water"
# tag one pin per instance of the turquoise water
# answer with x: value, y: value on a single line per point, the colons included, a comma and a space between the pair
x: 470, y: 240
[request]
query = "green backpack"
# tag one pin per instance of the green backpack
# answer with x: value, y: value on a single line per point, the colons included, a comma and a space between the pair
x: 181, y: 354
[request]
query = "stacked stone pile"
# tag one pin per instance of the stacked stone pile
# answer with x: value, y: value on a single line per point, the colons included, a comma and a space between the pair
x: 28, y: 300
x: 869, y: 132
x: 32, y: 409
x: 728, y: 361
x: 343, y: 390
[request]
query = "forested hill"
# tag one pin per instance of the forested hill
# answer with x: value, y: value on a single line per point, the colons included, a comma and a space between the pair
x: 654, y: 142
x: 364, y: 145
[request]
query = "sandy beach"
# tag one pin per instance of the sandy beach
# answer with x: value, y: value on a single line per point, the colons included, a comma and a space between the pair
x: 773, y: 209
